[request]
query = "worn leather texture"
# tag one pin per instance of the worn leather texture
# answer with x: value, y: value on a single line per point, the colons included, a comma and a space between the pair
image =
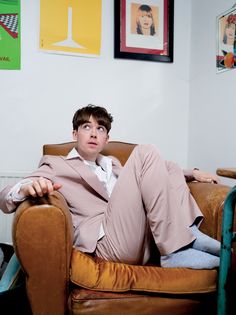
x: 106, y: 303
x: 98, y: 274
x: 60, y: 279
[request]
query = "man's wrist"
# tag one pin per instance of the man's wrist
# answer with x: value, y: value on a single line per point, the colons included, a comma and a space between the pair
x: 195, y: 169
x: 15, y: 194
x: 189, y: 174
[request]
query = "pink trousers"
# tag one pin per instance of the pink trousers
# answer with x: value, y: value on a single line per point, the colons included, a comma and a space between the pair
x: 150, y: 196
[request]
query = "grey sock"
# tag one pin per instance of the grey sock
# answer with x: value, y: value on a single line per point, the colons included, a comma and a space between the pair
x: 190, y: 258
x: 204, y: 242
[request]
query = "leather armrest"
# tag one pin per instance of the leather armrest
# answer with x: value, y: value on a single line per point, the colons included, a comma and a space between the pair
x: 227, y: 172
x: 210, y: 199
x: 43, y: 238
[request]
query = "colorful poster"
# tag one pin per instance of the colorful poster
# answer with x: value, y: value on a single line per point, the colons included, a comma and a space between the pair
x: 71, y: 26
x: 226, y: 41
x: 10, y: 34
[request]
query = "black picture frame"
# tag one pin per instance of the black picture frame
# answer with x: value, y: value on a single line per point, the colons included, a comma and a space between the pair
x: 133, y: 45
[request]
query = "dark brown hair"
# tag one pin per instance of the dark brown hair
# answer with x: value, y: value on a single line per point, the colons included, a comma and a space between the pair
x: 99, y: 113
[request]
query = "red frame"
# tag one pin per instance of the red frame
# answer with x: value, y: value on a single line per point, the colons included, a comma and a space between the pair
x: 123, y: 51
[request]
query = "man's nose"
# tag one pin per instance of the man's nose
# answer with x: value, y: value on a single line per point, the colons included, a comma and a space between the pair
x: 94, y: 132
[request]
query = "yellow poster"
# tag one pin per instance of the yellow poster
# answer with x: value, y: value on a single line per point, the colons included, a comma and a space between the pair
x: 71, y: 26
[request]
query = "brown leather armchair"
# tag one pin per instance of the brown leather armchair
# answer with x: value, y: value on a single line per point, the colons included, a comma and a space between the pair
x: 61, y: 280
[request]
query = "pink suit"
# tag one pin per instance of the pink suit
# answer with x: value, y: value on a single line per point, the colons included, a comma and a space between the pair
x: 151, y: 194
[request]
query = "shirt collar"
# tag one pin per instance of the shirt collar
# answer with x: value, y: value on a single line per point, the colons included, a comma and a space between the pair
x: 73, y: 154
x: 104, y: 161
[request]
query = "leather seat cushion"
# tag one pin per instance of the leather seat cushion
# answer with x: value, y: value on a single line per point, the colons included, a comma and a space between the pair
x: 97, y: 274
x: 84, y: 301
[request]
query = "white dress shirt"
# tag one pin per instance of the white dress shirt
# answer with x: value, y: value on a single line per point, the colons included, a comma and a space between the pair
x: 103, y: 169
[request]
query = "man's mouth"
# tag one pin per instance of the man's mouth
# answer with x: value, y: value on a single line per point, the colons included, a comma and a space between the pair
x: 92, y: 143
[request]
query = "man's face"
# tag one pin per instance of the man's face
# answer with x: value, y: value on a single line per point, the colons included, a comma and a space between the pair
x: 91, y: 139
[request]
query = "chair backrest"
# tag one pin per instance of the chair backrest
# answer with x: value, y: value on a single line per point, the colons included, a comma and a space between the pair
x: 121, y: 150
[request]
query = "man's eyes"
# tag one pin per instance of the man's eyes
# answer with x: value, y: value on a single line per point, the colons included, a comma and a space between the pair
x: 101, y: 128
x: 88, y: 127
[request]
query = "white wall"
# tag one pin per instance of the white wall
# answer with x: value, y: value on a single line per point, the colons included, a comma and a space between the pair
x: 212, y: 96
x: 149, y: 100
x: 185, y: 108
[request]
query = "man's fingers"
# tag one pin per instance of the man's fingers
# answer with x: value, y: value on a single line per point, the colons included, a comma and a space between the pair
x: 29, y: 191
x: 44, y: 186
x: 40, y: 187
x: 56, y: 186
x: 205, y: 177
x: 47, y: 186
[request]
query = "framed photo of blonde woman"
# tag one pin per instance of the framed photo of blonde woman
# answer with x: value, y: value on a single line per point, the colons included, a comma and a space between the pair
x: 226, y: 41
x: 144, y: 29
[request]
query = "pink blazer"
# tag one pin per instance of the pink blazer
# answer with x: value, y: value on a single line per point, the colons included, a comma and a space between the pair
x: 84, y: 193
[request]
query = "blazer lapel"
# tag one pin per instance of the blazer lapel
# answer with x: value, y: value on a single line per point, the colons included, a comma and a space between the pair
x: 91, y: 179
x: 116, y: 167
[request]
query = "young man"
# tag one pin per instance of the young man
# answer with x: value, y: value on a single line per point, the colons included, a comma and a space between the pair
x: 117, y: 211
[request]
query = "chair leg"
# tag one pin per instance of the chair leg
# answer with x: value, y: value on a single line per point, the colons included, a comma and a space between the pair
x: 226, y: 253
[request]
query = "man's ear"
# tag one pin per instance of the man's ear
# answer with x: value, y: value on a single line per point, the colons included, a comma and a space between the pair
x: 107, y: 138
x: 75, y: 134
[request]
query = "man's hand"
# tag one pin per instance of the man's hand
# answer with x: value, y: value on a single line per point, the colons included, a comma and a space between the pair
x: 38, y: 188
x: 205, y: 177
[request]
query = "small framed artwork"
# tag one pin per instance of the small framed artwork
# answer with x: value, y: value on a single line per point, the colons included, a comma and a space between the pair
x: 144, y: 29
x: 226, y: 41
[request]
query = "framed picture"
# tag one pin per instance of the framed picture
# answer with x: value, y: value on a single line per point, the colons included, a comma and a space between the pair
x: 226, y: 41
x: 144, y: 29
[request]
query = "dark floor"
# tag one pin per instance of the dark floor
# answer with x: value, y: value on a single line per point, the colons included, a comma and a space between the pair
x: 15, y: 302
